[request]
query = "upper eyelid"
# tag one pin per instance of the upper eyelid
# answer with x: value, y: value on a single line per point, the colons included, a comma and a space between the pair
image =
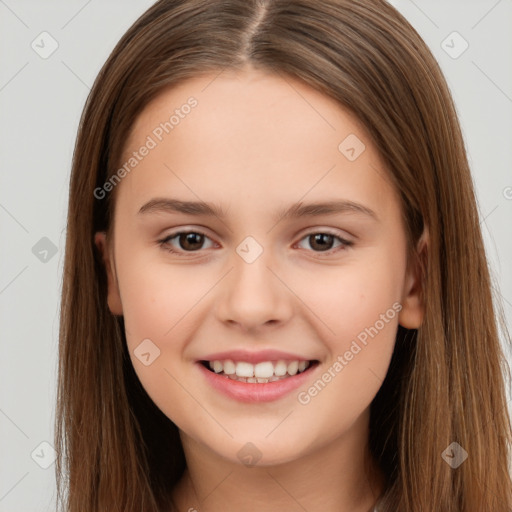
x: 184, y: 231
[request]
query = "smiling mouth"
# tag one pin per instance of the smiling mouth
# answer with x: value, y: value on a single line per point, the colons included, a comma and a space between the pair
x: 260, y: 373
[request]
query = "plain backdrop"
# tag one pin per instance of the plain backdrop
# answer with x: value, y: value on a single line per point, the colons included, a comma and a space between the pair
x: 41, y: 99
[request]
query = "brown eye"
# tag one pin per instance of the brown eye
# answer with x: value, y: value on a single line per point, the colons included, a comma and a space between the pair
x: 187, y: 241
x: 190, y: 241
x: 323, y: 242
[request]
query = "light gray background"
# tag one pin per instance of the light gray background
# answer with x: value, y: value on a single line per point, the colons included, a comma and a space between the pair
x: 40, y: 103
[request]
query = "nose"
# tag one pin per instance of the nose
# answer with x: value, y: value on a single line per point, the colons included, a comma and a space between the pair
x: 254, y: 295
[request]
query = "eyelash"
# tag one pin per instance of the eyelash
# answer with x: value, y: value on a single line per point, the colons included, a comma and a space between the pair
x: 164, y: 243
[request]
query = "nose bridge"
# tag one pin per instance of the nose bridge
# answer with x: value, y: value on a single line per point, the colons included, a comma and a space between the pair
x: 253, y: 295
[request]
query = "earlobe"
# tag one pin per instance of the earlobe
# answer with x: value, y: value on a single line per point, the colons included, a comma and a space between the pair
x: 113, y: 296
x: 413, y: 307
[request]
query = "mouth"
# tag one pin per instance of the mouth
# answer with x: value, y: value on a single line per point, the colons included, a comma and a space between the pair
x: 264, y: 372
x: 263, y: 376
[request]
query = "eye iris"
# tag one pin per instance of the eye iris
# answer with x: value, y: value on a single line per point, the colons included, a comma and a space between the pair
x: 319, y: 238
x: 191, y: 238
x: 192, y: 241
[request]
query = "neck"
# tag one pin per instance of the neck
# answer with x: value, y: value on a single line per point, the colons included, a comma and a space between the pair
x: 337, y: 476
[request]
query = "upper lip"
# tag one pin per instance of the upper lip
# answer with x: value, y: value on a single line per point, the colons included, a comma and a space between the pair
x: 254, y: 357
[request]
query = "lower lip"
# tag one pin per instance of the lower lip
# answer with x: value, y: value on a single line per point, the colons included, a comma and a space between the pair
x: 255, y: 392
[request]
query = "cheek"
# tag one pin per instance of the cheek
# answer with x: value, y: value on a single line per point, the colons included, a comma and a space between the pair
x: 158, y: 305
x: 158, y: 298
x: 352, y: 297
x: 162, y: 303
x: 358, y: 306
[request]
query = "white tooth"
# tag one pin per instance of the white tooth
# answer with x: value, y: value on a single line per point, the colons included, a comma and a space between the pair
x: 280, y: 368
x: 293, y: 367
x: 210, y: 364
x: 252, y: 380
x: 302, y: 366
x: 217, y: 366
x: 273, y: 378
x: 229, y: 367
x: 264, y: 370
x: 260, y: 380
x: 244, y: 369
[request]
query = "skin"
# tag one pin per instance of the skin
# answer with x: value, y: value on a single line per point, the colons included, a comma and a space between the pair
x: 255, y: 144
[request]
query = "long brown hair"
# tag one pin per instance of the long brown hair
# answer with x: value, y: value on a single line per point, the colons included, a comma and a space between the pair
x: 117, y: 450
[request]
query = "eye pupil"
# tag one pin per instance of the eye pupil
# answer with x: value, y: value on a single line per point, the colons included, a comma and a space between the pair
x: 191, y: 238
x: 319, y: 238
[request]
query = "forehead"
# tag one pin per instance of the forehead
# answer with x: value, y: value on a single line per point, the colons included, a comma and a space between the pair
x: 254, y: 103
x: 252, y: 134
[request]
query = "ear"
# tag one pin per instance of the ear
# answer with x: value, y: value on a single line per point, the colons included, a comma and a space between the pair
x: 413, y: 308
x: 113, y: 297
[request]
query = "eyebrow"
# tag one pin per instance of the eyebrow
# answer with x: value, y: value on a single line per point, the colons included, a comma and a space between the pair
x: 296, y: 210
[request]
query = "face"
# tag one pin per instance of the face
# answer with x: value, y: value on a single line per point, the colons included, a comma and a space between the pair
x: 307, y: 302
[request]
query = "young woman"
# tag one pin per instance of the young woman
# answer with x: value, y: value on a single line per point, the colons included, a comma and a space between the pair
x: 276, y: 294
